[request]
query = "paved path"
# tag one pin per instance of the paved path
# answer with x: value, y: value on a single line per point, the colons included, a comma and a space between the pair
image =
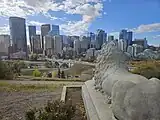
x: 40, y: 82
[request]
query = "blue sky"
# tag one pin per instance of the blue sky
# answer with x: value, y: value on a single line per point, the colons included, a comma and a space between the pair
x: 76, y: 17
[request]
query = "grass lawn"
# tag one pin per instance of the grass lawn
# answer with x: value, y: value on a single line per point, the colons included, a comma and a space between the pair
x: 48, y: 79
x: 28, y: 87
x: 29, y: 72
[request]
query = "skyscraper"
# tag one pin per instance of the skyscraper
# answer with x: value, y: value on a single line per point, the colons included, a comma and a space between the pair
x: 77, y: 46
x: 32, y: 32
x: 92, y: 40
x: 49, y: 45
x: 123, y: 34
x: 36, y: 43
x: 44, y: 31
x: 100, y: 38
x: 4, y: 44
x: 55, y: 30
x: 58, y: 44
x: 129, y: 38
x: 18, y: 34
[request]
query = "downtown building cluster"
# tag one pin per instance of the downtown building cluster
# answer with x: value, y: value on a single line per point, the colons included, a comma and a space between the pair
x: 51, y: 43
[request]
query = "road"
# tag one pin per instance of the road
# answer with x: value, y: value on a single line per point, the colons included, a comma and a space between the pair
x: 71, y: 61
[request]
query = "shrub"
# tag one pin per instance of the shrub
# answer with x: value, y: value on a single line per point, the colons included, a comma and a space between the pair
x: 54, y: 74
x: 148, y: 69
x: 36, y: 73
x: 62, y: 74
x: 34, y: 57
x: 53, y: 111
x: 6, y: 71
x: 49, y: 64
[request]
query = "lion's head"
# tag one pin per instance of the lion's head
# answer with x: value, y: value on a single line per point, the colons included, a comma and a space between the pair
x: 112, y: 55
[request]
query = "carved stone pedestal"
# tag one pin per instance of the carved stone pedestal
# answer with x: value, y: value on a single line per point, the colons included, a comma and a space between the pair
x: 94, y: 102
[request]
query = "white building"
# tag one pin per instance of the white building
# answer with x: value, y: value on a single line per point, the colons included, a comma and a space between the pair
x: 137, y: 49
x: 77, y: 46
x: 4, y: 43
x: 36, y: 43
x: 122, y: 45
x: 142, y: 42
x: 58, y: 44
x: 130, y: 50
x: 49, y: 44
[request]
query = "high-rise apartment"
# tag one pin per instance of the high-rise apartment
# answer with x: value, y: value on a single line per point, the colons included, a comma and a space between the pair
x: 44, y: 31
x: 32, y: 32
x: 36, y: 42
x: 18, y: 34
x: 4, y: 44
x: 49, y: 45
x: 58, y: 44
x: 77, y: 46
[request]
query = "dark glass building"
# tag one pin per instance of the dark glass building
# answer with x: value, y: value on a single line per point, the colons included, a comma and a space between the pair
x: 32, y: 32
x: 129, y: 38
x: 126, y: 36
x: 55, y: 30
x: 18, y: 34
x: 100, y: 38
x: 123, y: 35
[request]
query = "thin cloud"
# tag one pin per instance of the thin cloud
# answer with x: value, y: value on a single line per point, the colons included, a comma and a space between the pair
x: 147, y: 28
x: 156, y: 37
x: 36, y: 23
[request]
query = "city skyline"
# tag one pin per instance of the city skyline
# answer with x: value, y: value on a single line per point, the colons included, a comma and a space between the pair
x: 90, y: 15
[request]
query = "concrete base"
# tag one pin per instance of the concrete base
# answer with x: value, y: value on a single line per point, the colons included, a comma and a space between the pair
x: 94, y: 102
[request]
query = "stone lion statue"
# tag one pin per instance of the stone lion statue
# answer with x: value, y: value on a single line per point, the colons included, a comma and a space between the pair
x: 132, y: 97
